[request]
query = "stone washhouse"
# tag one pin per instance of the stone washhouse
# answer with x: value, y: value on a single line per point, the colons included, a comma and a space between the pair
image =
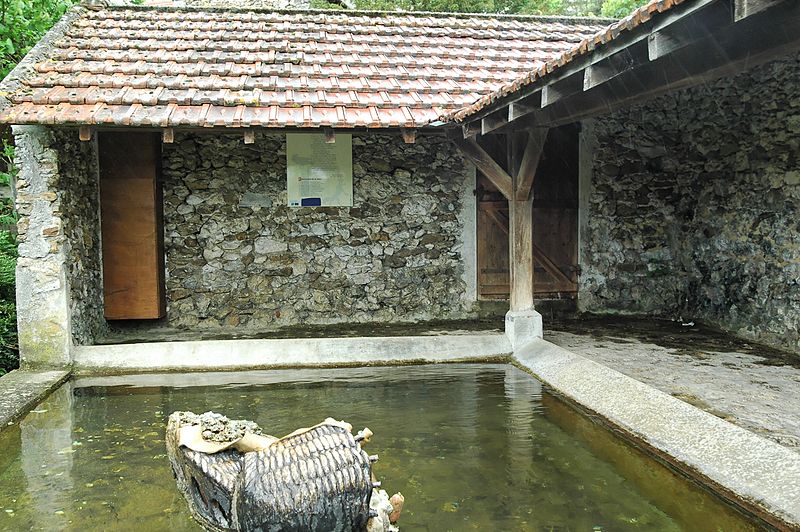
x: 645, y: 166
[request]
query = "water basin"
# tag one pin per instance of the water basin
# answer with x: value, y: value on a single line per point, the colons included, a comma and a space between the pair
x: 472, y: 447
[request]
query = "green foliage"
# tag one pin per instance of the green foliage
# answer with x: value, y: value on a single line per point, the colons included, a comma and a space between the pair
x: 620, y: 8
x: 9, y: 352
x: 22, y: 24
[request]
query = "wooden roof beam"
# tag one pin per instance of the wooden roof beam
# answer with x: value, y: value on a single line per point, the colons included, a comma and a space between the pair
x: 615, y: 65
x: 525, y: 106
x: 682, y: 33
x: 494, y: 121
x: 575, y: 69
x: 743, y: 45
x: 746, y: 8
x: 470, y: 129
x: 558, y: 90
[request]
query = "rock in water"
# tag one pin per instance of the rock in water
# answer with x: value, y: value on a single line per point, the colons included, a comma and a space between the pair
x: 235, y: 478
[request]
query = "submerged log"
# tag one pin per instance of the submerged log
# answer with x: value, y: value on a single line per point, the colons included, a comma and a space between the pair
x: 235, y: 478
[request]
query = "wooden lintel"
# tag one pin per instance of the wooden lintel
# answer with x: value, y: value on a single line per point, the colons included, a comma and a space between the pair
x: 168, y: 136
x: 684, y: 32
x: 494, y: 121
x: 530, y: 162
x: 470, y: 129
x: 615, y: 65
x: 409, y: 135
x: 746, y: 8
x: 85, y: 133
x: 487, y: 166
x: 563, y: 88
x: 330, y: 136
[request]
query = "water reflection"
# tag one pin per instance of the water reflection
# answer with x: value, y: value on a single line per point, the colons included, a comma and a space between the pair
x: 472, y: 447
x: 46, y: 441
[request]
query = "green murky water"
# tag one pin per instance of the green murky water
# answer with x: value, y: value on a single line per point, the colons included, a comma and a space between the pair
x: 472, y: 447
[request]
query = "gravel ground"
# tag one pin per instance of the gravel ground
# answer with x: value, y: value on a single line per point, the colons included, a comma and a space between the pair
x: 752, y: 386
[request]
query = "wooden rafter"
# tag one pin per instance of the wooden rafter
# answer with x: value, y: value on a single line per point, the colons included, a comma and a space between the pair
x: 693, y: 43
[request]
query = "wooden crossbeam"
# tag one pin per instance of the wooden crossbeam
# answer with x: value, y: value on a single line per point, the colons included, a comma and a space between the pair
x: 562, y: 88
x: 168, y: 136
x: 530, y: 162
x: 692, y: 44
x: 688, y: 31
x: 494, y: 121
x: 471, y: 129
x: 330, y: 135
x: 743, y: 45
x: 615, y: 65
x: 746, y: 8
x: 85, y: 133
x: 487, y: 165
x: 525, y: 106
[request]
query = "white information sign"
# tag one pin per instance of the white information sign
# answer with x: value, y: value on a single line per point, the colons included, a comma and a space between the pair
x: 319, y: 174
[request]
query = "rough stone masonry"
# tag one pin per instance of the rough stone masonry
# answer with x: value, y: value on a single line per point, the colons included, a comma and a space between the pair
x: 694, y: 206
x: 59, y: 286
x: 238, y: 256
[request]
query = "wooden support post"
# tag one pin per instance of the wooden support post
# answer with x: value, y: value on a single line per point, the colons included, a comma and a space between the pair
x: 168, y: 136
x: 520, y: 246
x: 249, y: 136
x: 85, y: 133
x: 520, y: 221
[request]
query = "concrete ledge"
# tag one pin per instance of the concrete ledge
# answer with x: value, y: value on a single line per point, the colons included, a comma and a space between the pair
x: 21, y: 390
x: 755, y: 472
x: 302, y: 352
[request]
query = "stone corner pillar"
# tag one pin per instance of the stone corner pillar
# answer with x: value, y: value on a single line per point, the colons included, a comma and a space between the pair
x: 43, y: 313
x: 523, y: 326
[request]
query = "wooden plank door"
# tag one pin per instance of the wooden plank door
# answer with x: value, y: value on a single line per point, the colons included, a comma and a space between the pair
x: 131, y: 225
x: 555, y: 225
x: 493, y: 268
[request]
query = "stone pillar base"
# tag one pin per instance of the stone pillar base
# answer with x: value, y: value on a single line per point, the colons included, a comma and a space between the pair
x: 523, y: 326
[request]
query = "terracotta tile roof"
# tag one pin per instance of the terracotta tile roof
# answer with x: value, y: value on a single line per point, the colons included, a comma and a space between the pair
x: 163, y: 67
x: 602, y: 37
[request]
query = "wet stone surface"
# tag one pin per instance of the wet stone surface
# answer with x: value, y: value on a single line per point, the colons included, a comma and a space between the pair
x: 744, y: 383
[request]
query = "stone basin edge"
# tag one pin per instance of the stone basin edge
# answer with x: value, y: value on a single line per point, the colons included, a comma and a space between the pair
x: 759, y: 476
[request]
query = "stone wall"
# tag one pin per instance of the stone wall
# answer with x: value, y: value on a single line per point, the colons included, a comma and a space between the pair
x: 237, y: 256
x: 694, y: 206
x: 79, y: 187
x: 59, y: 288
